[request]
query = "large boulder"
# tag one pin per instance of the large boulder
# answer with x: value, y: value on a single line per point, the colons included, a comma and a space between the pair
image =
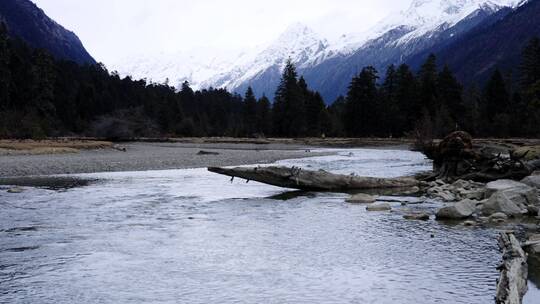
x: 509, y: 202
x: 457, y: 211
x: 379, y: 207
x: 361, y: 198
x: 417, y: 216
x: 503, y: 184
x: 532, y: 181
x: 15, y: 190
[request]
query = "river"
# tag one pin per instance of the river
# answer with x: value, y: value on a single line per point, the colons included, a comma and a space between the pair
x: 190, y: 236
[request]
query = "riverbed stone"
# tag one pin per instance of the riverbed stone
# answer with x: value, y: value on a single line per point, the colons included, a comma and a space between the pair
x: 379, y: 207
x: 361, y: 198
x: 504, y: 202
x: 534, y: 244
x: 15, y: 190
x: 533, y: 210
x: 417, y: 216
x: 503, y: 184
x: 441, y: 193
x: 532, y: 181
x: 498, y: 216
x: 459, y: 210
x: 469, y: 223
x: 475, y: 194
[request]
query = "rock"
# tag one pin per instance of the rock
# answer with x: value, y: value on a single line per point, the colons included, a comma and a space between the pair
x: 475, y: 194
x: 503, y: 184
x: 498, y: 216
x: 202, y: 152
x: 417, y: 216
x: 15, y: 190
x: 532, y: 210
x: 442, y: 193
x: 361, y: 198
x: 512, y: 198
x: 469, y: 223
x: 502, y: 202
x: 460, y: 184
x: 456, y: 191
x: 533, y: 244
x: 530, y: 152
x: 459, y: 210
x: 483, y: 219
x: 379, y: 207
x: 532, y: 181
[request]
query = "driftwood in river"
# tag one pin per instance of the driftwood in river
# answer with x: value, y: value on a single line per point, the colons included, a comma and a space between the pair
x: 297, y: 178
x: 512, y: 283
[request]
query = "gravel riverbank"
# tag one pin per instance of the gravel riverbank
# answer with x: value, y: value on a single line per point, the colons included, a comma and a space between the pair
x: 141, y: 156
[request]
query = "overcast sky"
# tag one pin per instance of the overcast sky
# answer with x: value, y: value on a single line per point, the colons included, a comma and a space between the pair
x: 112, y: 29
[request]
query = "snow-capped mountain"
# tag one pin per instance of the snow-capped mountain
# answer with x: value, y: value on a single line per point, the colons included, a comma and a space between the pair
x: 196, y: 66
x: 328, y: 67
x: 298, y: 42
x: 204, y: 68
x: 421, y: 18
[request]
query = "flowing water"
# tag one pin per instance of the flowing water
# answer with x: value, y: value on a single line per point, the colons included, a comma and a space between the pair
x: 189, y: 236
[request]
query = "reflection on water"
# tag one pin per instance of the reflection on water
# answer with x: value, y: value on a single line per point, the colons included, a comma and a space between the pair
x: 189, y: 236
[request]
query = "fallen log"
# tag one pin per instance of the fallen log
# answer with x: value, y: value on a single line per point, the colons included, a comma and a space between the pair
x: 512, y: 283
x: 297, y: 178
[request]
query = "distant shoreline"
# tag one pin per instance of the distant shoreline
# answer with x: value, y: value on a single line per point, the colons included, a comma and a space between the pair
x: 90, y: 155
x: 142, y: 156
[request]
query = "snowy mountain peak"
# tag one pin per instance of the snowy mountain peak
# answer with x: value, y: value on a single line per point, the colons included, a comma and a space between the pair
x: 425, y: 16
x: 296, y: 30
x: 297, y: 42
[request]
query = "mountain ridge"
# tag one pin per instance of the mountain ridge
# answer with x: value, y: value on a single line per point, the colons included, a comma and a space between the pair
x: 328, y: 67
x: 28, y: 22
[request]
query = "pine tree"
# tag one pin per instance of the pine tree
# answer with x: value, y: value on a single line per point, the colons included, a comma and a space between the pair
x: 264, y: 116
x: 450, y: 94
x: 42, y: 85
x: 314, y: 107
x: 315, y: 113
x: 361, y: 117
x: 496, y: 97
x: 427, y: 78
x: 289, y: 107
x: 530, y: 64
x: 410, y: 107
x: 336, y: 112
x: 390, y: 112
x: 5, y: 72
x: 250, y: 113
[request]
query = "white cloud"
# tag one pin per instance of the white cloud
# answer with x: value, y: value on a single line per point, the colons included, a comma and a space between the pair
x: 112, y: 29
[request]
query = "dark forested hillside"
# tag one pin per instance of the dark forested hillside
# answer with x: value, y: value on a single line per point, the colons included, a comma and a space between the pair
x: 496, y: 44
x: 29, y: 23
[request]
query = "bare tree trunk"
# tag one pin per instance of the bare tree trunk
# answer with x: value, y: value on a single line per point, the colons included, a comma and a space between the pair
x: 297, y: 178
x: 512, y: 283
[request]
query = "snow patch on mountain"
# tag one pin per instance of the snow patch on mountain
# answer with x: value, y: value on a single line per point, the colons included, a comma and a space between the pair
x: 299, y: 43
x: 195, y: 66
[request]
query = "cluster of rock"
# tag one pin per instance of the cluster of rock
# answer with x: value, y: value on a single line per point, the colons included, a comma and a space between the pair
x: 496, y: 201
x: 456, y: 191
